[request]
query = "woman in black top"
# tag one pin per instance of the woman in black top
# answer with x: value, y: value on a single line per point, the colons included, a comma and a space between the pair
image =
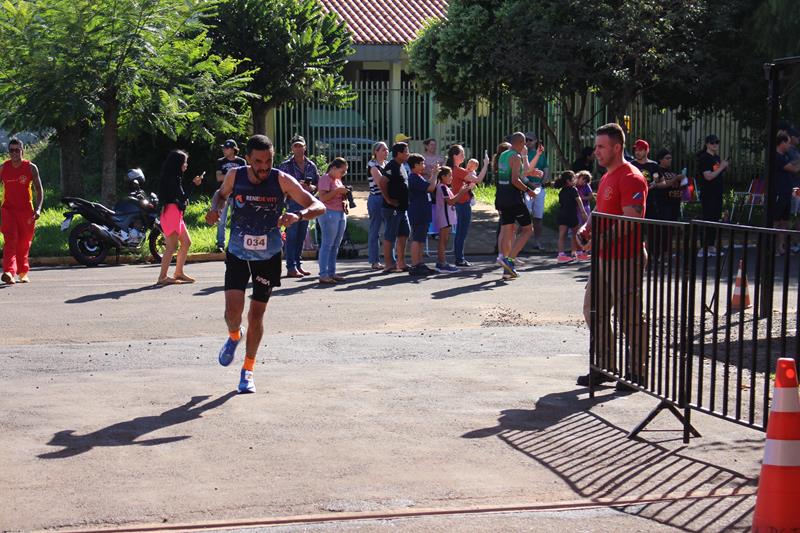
x: 173, y: 201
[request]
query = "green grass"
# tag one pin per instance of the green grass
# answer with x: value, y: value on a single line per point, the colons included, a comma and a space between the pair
x: 50, y: 241
x: 485, y: 195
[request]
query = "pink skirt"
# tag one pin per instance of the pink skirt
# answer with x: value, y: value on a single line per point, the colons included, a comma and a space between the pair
x: 172, y: 220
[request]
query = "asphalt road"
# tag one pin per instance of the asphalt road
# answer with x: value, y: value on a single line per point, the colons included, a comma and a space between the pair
x: 385, y: 395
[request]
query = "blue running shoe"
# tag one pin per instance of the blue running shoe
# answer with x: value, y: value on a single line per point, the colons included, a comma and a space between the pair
x: 228, y: 350
x: 246, y: 383
x: 508, y: 265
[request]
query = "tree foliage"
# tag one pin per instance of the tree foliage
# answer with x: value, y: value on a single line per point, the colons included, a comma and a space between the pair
x: 294, y: 46
x: 117, y: 64
x: 687, y: 53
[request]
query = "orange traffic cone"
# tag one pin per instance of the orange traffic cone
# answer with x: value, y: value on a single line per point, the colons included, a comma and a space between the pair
x: 779, y: 484
x: 741, y: 295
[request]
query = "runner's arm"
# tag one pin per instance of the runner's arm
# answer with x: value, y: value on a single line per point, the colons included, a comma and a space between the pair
x: 516, y: 167
x: 220, y: 197
x: 312, y: 207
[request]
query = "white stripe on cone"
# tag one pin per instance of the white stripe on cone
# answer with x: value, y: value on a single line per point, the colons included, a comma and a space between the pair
x: 782, y: 452
x: 785, y: 400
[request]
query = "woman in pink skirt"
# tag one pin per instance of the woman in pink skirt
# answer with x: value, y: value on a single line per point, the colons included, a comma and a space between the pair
x: 173, y: 201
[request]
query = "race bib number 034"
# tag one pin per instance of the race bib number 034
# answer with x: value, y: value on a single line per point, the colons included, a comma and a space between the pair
x: 256, y: 243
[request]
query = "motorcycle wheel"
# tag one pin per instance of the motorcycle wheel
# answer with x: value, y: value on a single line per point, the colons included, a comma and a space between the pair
x: 157, y: 244
x: 86, y: 246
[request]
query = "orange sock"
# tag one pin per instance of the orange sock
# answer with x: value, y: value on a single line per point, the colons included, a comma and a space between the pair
x: 235, y: 335
x: 249, y: 362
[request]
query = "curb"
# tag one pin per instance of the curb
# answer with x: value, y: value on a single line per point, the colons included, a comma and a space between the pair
x: 122, y: 260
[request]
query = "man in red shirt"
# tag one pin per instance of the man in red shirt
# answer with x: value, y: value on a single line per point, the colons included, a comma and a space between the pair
x: 17, y: 214
x: 622, y: 256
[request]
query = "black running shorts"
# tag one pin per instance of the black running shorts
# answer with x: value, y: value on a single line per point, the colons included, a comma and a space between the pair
x: 265, y: 275
x: 516, y: 213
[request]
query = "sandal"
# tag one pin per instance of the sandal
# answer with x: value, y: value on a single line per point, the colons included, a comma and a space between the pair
x: 377, y: 266
x: 168, y: 281
x: 184, y: 278
x: 327, y: 281
x: 389, y: 269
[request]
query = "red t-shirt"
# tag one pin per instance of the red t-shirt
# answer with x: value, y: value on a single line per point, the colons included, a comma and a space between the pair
x: 623, y: 187
x: 17, y: 191
x: 459, y: 173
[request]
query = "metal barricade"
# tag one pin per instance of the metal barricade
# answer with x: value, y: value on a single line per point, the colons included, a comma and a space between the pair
x: 671, y: 315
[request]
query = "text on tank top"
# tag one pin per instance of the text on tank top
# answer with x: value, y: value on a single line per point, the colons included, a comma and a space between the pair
x: 256, y: 208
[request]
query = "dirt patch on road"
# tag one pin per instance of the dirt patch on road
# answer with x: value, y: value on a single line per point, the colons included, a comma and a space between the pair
x: 503, y: 317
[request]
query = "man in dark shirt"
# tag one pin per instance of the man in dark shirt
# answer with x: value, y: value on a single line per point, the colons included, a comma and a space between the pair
x: 394, y: 188
x: 230, y: 159
x: 650, y: 170
x: 785, y: 169
x: 307, y: 175
x: 711, y: 185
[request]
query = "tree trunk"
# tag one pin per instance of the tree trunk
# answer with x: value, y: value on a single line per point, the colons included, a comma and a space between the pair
x: 70, y: 141
x: 259, y: 109
x: 108, y: 183
x: 551, y: 134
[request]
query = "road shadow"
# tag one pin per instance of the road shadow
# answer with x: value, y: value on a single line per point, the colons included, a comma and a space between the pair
x: 112, y: 295
x: 126, y: 433
x: 598, y: 462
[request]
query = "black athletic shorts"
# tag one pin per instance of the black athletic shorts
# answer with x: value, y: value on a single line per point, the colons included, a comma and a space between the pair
x: 266, y: 275
x: 516, y: 213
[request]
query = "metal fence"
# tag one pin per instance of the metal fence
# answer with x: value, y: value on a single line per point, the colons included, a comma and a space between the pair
x: 379, y: 112
x: 681, y: 322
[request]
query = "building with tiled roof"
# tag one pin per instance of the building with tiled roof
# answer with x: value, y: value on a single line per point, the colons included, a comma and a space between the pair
x: 381, y: 29
x: 385, y: 22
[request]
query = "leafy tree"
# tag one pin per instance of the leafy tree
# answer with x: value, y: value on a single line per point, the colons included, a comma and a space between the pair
x: 138, y: 63
x: 562, y: 50
x: 296, y: 48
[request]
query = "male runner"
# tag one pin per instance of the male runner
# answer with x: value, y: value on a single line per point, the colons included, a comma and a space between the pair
x: 509, y: 202
x: 254, y: 245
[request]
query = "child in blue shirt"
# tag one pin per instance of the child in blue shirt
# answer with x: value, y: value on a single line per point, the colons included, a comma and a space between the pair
x: 419, y: 212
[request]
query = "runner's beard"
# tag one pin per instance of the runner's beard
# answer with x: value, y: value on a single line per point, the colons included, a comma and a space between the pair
x: 262, y: 174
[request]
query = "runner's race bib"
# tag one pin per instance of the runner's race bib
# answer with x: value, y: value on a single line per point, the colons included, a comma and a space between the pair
x: 256, y: 243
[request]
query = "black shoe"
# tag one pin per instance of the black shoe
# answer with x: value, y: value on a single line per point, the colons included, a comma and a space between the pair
x: 596, y: 379
x: 463, y: 263
x: 416, y: 270
x: 427, y: 270
x: 220, y: 249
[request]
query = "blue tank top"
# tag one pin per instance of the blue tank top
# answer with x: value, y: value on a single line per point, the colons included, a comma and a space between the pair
x: 255, y: 235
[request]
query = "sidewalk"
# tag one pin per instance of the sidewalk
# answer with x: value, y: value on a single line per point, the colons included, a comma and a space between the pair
x: 482, y: 237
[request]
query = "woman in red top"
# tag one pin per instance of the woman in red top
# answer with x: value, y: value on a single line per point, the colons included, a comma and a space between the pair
x: 17, y: 214
x: 461, y: 177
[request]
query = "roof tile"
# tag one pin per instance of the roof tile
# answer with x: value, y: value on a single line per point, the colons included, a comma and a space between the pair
x: 385, y: 21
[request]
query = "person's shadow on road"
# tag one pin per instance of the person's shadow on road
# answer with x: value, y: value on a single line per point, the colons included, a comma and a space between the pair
x: 111, y: 295
x: 126, y: 433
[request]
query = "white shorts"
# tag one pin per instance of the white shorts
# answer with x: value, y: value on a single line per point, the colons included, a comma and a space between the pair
x: 536, y: 206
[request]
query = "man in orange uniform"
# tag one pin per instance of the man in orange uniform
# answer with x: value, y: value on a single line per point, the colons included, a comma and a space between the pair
x: 17, y: 214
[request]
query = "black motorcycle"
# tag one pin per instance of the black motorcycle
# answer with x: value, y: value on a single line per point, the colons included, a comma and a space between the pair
x: 125, y: 228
